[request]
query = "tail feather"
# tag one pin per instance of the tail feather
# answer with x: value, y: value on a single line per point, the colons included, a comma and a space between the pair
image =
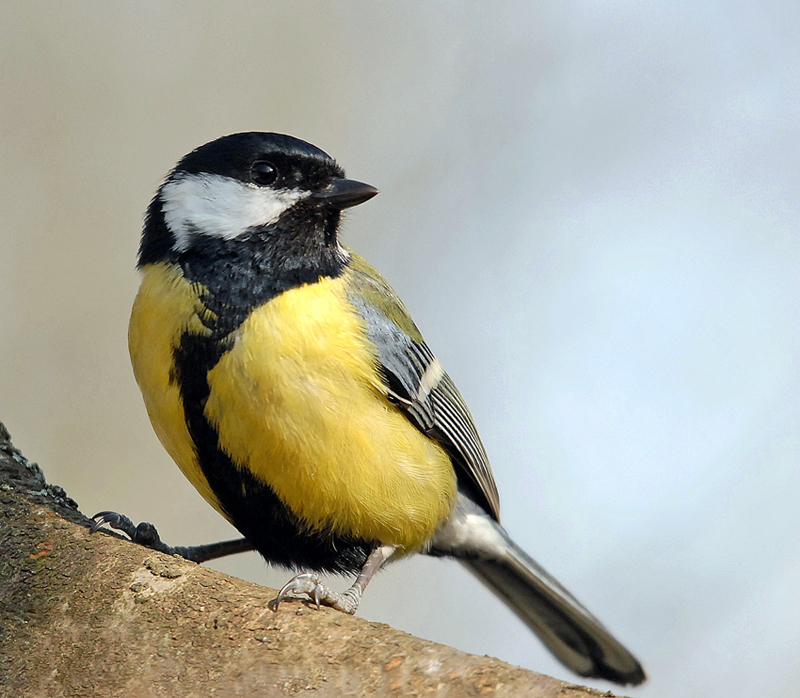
x: 569, y: 631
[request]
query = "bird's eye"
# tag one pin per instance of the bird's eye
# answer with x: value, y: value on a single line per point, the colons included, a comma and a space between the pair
x: 263, y: 173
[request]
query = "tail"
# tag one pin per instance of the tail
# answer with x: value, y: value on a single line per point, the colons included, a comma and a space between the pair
x: 568, y: 630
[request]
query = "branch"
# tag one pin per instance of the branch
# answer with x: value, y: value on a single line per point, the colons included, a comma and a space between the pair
x: 85, y: 614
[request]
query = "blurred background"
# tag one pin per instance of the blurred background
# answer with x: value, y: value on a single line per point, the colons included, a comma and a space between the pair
x: 591, y: 210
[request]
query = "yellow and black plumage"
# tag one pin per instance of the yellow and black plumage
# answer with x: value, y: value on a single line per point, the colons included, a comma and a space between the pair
x: 292, y: 388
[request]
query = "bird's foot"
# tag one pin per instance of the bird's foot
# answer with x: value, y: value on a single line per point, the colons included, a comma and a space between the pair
x: 310, y: 584
x: 143, y: 534
x: 146, y: 534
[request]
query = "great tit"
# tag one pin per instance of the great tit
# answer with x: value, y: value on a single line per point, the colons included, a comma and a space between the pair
x: 289, y: 383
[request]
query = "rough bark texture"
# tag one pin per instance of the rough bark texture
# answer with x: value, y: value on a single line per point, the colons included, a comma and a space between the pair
x: 85, y: 615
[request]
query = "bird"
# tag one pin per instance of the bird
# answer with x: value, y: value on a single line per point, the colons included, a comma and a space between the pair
x: 289, y: 383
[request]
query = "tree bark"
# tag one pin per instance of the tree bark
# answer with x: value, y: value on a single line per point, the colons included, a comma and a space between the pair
x: 90, y: 614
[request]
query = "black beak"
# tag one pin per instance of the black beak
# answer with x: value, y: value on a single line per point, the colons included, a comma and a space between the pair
x: 344, y: 193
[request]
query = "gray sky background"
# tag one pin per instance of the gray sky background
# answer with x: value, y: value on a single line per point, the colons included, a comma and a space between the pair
x: 591, y: 210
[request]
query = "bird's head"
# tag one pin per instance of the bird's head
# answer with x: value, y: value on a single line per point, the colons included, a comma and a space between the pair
x: 266, y: 190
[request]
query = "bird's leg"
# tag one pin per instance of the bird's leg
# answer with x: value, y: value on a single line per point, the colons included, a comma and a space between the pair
x: 146, y: 534
x: 309, y: 583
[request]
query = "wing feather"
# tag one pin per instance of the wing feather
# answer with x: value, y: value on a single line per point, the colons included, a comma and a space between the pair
x: 416, y: 383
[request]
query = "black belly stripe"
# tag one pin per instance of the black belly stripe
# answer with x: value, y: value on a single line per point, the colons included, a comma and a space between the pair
x: 251, y: 505
x: 230, y: 288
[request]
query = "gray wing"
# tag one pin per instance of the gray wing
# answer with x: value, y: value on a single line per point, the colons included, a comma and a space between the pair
x: 416, y: 382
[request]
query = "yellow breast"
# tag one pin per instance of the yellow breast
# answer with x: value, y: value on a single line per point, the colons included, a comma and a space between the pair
x: 166, y: 307
x: 298, y: 402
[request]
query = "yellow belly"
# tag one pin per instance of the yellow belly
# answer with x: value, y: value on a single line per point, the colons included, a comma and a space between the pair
x: 298, y: 402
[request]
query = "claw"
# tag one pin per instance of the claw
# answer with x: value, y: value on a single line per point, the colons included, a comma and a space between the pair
x: 143, y: 534
x: 115, y: 520
x: 317, y: 590
x: 307, y: 583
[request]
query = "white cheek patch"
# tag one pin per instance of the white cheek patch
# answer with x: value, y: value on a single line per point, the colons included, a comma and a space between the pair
x: 220, y: 206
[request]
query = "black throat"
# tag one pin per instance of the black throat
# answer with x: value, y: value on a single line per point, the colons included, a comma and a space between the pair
x: 242, y: 273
